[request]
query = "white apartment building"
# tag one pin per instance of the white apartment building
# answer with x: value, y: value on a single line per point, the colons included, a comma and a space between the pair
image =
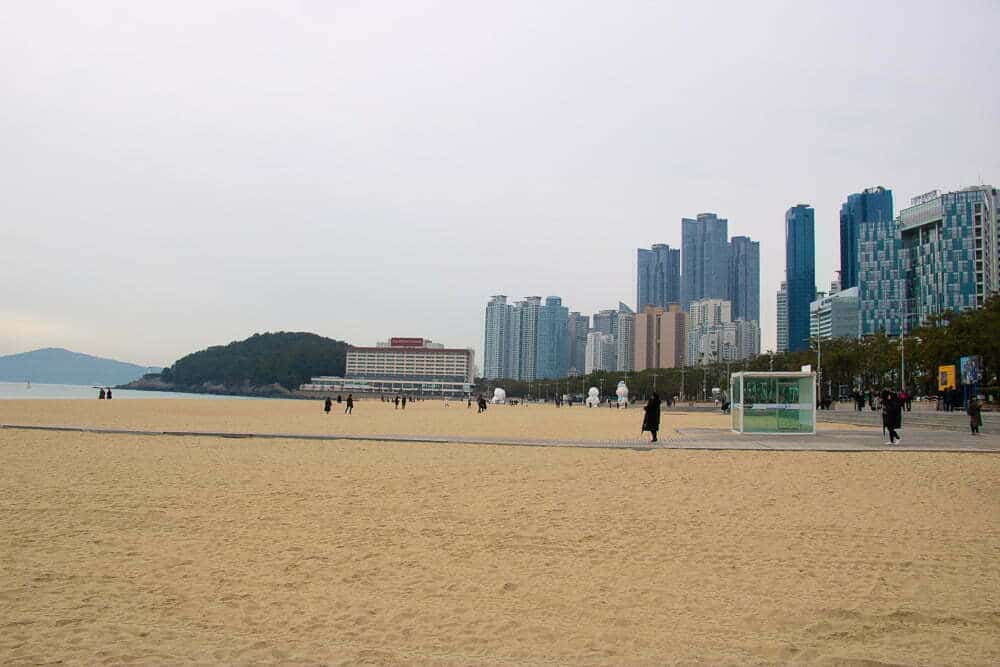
x: 601, y: 352
x: 626, y: 342
x: 713, y: 336
x: 782, y: 342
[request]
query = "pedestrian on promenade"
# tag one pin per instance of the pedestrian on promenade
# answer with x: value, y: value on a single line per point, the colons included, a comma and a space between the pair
x: 651, y: 415
x: 892, y: 415
x: 350, y: 404
x: 327, y: 404
x: 340, y: 399
x: 396, y: 401
x: 100, y: 394
x: 404, y: 402
x: 906, y: 399
x: 482, y: 405
x: 109, y: 393
x: 975, y: 412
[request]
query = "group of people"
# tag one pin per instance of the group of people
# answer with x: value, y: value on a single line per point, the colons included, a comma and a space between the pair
x: 873, y: 399
x: 328, y: 404
x: 950, y: 400
x: 399, y: 400
x: 105, y: 393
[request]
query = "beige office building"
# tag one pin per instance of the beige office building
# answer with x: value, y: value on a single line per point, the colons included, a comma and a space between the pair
x: 660, y: 337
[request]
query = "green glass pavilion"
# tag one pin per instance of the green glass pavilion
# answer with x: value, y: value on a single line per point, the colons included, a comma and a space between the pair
x: 777, y: 402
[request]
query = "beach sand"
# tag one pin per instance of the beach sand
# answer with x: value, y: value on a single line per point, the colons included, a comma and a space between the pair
x: 370, y: 417
x: 168, y: 550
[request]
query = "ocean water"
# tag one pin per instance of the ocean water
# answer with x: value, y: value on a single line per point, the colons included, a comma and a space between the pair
x: 20, y: 390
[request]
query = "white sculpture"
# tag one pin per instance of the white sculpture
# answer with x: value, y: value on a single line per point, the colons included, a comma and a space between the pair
x: 622, y: 393
x: 593, y: 398
x: 499, y: 396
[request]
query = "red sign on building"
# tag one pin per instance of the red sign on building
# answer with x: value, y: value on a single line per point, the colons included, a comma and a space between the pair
x: 406, y: 342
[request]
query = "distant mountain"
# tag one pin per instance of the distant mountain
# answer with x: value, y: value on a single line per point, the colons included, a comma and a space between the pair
x: 53, y: 365
x: 268, y: 364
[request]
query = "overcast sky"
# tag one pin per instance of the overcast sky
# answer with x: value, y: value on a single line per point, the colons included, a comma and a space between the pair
x: 184, y: 174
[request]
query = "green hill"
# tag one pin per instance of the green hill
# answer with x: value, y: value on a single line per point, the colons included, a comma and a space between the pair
x: 264, y: 364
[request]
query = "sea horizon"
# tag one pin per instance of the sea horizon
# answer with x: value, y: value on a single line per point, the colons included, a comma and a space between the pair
x: 22, y: 390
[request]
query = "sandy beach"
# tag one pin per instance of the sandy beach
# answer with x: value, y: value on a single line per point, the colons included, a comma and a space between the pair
x: 169, y: 550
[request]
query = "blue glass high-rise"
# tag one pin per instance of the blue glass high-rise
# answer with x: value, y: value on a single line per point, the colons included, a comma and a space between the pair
x: 658, y: 279
x: 800, y: 272
x: 872, y: 206
x: 552, y: 340
x: 705, y: 258
x: 744, y: 278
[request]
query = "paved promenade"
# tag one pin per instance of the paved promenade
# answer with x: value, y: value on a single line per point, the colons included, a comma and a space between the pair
x: 826, y: 440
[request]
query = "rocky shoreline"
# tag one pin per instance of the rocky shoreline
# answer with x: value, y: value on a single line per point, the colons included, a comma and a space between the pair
x: 156, y: 383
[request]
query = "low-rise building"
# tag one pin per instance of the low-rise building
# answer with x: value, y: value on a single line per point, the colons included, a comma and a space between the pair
x: 404, y: 365
x: 836, y: 316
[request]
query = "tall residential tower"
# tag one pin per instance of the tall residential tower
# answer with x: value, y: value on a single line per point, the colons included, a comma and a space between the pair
x: 658, y: 280
x: 862, y: 209
x: 800, y: 272
x: 744, y: 278
x: 704, y: 258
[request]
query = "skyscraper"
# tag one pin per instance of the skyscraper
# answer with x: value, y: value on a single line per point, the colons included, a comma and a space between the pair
x: 658, y: 279
x: 524, y: 338
x: 870, y: 206
x: 496, y: 347
x: 625, y: 341
x: 705, y: 258
x: 744, y: 278
x: 800, y: 272
x: 782, y: 315
x: 606, y: 321
x: 600, y: 352
x: 551, y: 355
x: 578, y: 327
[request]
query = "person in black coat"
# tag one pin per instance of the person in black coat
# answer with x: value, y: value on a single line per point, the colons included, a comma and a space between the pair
x: 327, y: 404
x: 975, y: 412
x: 892, y: 414
x: 651, y: 415
x: 350, y: 404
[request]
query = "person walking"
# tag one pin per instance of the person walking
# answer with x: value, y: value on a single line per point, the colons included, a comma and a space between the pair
x: 100, y: 394
x: 404, y: 401
x: 109, y: 393
x: 975, y: 412
x: 396, y: 401
x: 651, y: 415
x: 327, y: 404
x: 892, y: 415
x: 350, y: 404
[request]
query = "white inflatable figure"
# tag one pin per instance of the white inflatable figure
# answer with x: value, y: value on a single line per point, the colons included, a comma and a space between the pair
x: 593, y: 398
x: 622, y: 393
x: 499, y: 396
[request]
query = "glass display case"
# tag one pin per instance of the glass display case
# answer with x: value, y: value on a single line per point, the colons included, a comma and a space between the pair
x: 777, y: 402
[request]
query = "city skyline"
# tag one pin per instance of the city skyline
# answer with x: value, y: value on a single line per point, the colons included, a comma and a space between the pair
x: 173, y: 186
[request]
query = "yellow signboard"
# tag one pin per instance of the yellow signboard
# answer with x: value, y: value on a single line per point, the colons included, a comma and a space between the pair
x: 946, y: 377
